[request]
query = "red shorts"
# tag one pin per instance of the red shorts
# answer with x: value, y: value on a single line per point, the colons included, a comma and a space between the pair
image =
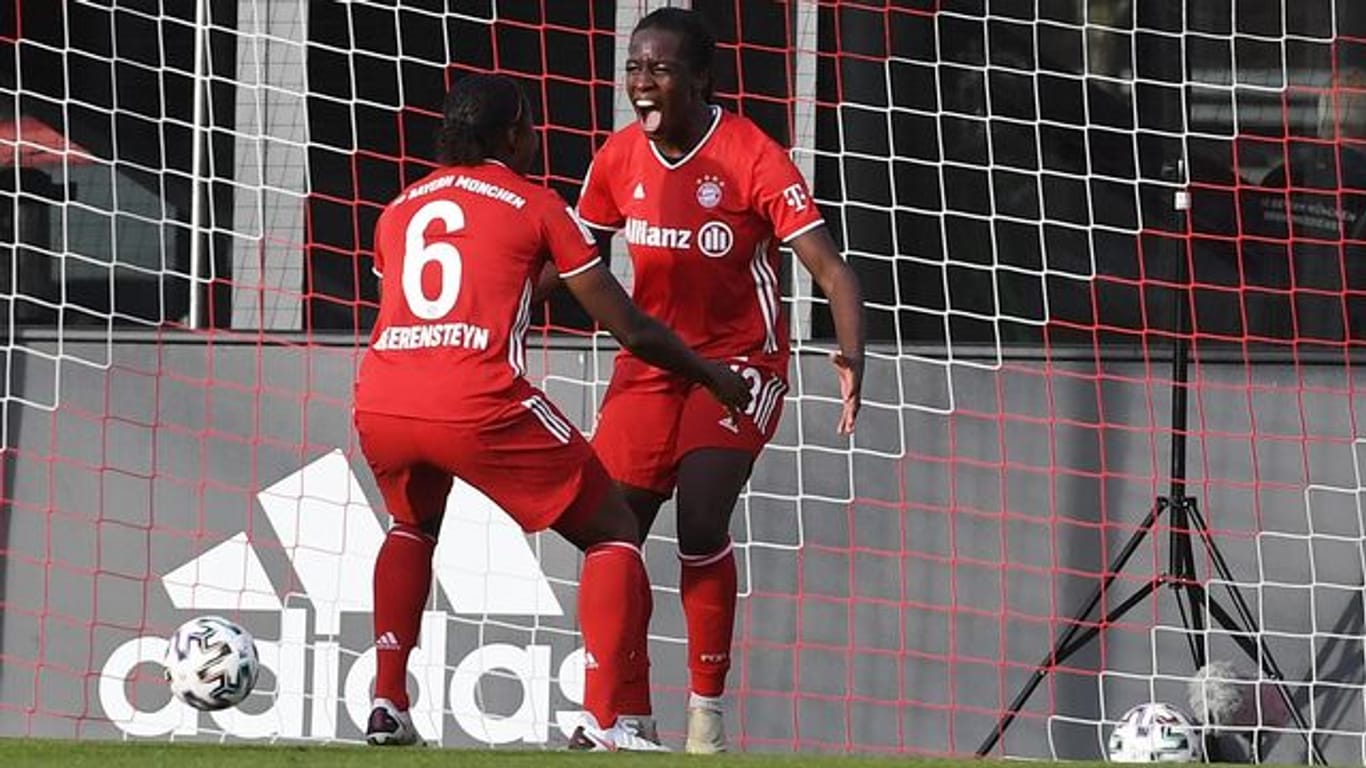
x: 651, y: 419
x: 535, y: 465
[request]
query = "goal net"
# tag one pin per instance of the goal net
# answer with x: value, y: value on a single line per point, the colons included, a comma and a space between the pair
x: 1047, y: 203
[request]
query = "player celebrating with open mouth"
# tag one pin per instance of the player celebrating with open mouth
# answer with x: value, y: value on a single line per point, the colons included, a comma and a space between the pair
x: 705, y: 198
x: 442, y: 393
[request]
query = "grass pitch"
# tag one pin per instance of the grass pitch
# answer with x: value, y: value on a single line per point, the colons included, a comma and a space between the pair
x: 118, y: 754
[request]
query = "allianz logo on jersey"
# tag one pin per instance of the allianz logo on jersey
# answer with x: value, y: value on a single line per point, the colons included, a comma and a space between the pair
x: 713, y: 239
x: 325, y: 525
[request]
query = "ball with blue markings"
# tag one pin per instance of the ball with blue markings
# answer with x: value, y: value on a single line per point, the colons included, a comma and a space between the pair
x: 211, y: 663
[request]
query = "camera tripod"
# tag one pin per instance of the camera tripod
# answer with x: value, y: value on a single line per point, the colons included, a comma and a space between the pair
x: 1185, y: 521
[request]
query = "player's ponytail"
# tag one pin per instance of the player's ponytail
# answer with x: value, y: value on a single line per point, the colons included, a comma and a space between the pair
x: 478, y: 111
x: 696, y: 41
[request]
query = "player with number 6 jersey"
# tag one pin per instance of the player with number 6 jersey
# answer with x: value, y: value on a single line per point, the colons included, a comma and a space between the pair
x: 457, y: 252
x: 442, y: 393
x: 704, y: 199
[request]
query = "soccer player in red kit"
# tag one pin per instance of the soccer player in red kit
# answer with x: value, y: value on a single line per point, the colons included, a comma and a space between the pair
x: 442, y: 393
x: 704, y: 199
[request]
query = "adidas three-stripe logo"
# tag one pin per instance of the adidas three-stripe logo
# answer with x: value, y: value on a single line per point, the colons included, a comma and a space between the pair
x: 548, y: 418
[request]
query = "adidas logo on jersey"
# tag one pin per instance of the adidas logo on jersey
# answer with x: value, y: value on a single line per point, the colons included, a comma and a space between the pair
x: 639, y: 192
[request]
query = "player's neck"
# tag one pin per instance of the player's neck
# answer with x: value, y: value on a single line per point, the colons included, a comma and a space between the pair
x: 699, y: 122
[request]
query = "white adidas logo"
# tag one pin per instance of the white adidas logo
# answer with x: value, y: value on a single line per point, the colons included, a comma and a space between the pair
x: 639, y: 193
x: 330, y: 535
x: 387, y: 642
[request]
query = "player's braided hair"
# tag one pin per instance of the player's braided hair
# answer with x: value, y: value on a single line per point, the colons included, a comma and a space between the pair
x: 479, y: 109
x: 696, y: 41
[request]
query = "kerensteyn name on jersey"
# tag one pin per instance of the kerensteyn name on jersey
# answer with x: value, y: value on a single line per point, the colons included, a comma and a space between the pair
x: 461, y: 335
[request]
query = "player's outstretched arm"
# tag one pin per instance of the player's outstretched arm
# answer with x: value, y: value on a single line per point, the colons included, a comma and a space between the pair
x: 603, y: 298
x: 837, y: 280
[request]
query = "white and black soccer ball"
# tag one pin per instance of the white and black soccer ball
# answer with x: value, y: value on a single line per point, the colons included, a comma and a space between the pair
x: 211, y: 663
x: 1156, y: 733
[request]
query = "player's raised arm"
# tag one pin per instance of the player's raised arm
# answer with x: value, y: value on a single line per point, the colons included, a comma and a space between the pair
x: 784, y: 200
x: 817, y: 252
x: 603, y: 298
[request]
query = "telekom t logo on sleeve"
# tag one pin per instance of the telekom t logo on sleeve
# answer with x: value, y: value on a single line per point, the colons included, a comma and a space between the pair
x: 795, y: 197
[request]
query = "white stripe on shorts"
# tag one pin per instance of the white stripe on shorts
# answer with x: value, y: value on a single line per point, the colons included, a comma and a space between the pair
x: 548, y: 418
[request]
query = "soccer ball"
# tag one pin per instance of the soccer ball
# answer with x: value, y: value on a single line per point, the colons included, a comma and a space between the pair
x: 211, y: 663
x: 1155, y: 733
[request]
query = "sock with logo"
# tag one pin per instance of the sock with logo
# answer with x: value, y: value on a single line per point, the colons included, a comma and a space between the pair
x: 403, y: 579
x: 614, y: 615
x: 633, y: 683
x: 708, y: 587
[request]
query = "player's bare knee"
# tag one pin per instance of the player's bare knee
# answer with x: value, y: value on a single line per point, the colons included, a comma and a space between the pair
x: 611, y: 521
x: 619, y: 523
x: 645, y: 506
x: 643, y: 524
x: 431, y: 526
x: 700, y: 536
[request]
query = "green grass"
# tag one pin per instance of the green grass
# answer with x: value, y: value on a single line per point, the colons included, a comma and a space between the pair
x: 117, y: 754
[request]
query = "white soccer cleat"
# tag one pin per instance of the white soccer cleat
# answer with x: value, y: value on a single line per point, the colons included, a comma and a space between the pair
x: 630, y: 734
x: 706, y: 731
x: 390, y: 727
x: 643, y: 727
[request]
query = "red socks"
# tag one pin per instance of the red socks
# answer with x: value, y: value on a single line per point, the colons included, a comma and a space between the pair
x: 403, y: 579
x: 709, y: 590
x: 614, y: 614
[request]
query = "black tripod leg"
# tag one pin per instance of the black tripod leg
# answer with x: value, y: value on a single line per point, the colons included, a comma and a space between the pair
x: 1114, y: 615
x: 1066, y: 643
x: 1258, y: 651
x: 1185, y: 580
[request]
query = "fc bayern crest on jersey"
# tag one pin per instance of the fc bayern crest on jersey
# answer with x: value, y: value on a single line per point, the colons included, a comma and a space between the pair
x: 709, y: 189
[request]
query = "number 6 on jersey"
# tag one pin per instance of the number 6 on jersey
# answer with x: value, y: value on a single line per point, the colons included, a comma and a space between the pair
x: 418, y: 254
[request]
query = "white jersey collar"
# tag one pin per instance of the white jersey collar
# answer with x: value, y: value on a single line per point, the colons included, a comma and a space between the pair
x: 679, y: 163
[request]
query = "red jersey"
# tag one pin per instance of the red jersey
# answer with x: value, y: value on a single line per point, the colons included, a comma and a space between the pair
x: 703, y: 231
x: 459, y: 253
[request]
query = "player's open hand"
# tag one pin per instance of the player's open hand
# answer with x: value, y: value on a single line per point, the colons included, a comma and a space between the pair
x: 850, y: 372
x: 730, y: 388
